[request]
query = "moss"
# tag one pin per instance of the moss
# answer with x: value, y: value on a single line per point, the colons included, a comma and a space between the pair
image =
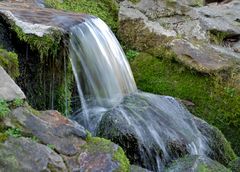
x: 4, y: 108
x: 107, y: 10
x: 63, y: 93
x: 120, y: 157
x: 135, y: 1
x: 9, y: 61
x: 101, y: 145
x: 46, y: 45
x: 235, y: 165
x: 216, y: 100
x: 225, y: 147
x: 217, y: 37
x: 3, y: 137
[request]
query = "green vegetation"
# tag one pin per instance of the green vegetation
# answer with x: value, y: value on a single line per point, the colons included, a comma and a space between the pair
x: 9, y: 61
x: 217, y: 37
x: 17, y: 102
x: 96, y: 144
x: 134, y: 1
x: 4, y: 108
x: 216, y: 101
x: 51, y: 146
x: 107, y: 10
x: 46, y: 45
x: 63, y: 93
x: 14, y: 132
x: 131, y: 54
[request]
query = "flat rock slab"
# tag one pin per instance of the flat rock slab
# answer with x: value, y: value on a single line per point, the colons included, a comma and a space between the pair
x: 50, y: 127
x: 23, y: 154
x: 199, y: 57
x: 33, y: 19
x: 8, y: 88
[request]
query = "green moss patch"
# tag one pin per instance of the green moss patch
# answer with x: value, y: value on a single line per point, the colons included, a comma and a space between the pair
x: 46, y: 45
x: 107, y: 10
x: 9, y: 61
x: 101, y: 145
x: 217, y: 37
x: 4, y: 109
x: 215, y: 101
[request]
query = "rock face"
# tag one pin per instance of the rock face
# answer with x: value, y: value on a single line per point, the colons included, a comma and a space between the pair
x: 78, y: 151
x: 22, y: 154
x: 205, y: 38
x: 147, y: 128
x: 8, y: 88
x: 195, y: 163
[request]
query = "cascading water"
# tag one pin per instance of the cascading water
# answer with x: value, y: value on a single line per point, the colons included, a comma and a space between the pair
x: 106, y: 85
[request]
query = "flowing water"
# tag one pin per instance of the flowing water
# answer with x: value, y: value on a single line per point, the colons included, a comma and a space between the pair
x: 105, y: 81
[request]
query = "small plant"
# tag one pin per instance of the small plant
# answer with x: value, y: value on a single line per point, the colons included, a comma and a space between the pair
x: 51, y: 146
x: 35, y: 139
x: 14, y: 132
x: 131, y: 54
x: 18, y: 102
x: 217, y: 37
x: 4, y: 109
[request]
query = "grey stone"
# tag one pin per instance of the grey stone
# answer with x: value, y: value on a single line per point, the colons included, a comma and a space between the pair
x: 25, y: 155
x: 8, y: 88
x: 50, y: 127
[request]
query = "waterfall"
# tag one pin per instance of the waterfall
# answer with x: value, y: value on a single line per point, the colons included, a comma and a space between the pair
x: 106, y: 85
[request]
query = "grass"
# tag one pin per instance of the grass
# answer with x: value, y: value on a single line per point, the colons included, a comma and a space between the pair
x: 4, y: 109
x: 215, y: 101
x: 107, y: 10
x: 9, y: 61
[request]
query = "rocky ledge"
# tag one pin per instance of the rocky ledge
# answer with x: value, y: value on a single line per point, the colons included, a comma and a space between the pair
x: 205, y: 36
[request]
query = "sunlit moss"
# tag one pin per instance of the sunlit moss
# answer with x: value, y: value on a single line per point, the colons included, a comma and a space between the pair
x: 107, y: 10
x: 215, y: 100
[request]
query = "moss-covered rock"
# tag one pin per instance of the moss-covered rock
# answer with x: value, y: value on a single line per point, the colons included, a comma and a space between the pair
x: 235, y: 165
x: 220, y: 148
x: 96, y: 146
x: 195, y: 163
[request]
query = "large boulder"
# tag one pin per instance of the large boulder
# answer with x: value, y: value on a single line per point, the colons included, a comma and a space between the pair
x: 9, y: 90
x: 196, y: 163
x: 23, y: 154
x: 154, y: 130
x: 207, y: 33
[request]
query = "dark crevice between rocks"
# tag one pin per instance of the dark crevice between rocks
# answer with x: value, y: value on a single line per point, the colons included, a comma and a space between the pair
x: 41, y: 77
x: 226, y: 39
x: 217, y: 1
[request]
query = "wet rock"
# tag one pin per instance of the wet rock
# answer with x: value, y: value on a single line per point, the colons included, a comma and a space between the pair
x: 220, y: 149
x: 196, y: 163
x: 22, y: 154
x: 135, y: 168
x: 8, y: 88
x: 149, y: 128
x: 151, y: 133
x: 50, y: 127
x: 235, y: 165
